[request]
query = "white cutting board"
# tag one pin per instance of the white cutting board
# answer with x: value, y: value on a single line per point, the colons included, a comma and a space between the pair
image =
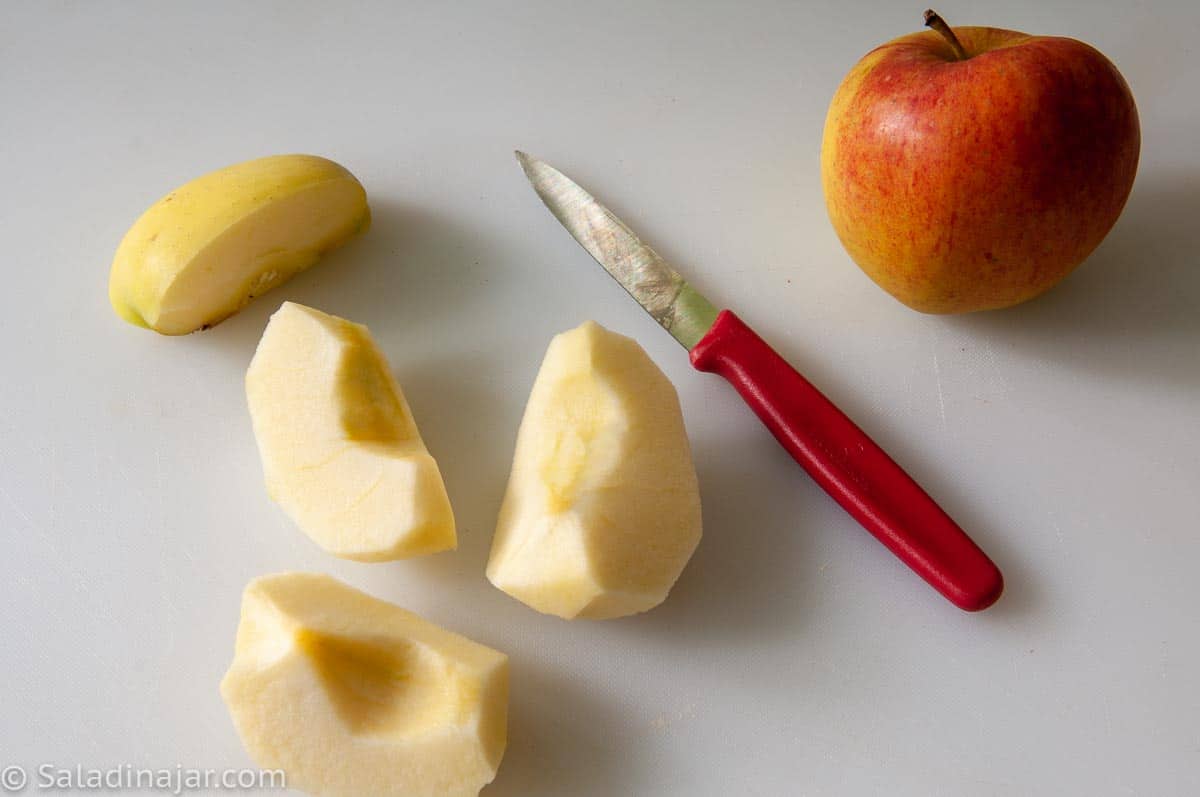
x: 795, y: 655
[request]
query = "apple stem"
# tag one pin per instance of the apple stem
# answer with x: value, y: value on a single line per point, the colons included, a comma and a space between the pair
x: 935, y: 21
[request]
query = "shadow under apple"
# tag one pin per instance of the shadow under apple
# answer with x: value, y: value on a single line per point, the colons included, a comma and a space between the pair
x: 470, y: 429
x: 752, y: 558
x: 408, y: 275
x: 562, y: 739
x: 1132, y: 310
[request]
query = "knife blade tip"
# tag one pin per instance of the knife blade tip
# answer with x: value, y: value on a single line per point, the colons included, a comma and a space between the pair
x: 534, y: 169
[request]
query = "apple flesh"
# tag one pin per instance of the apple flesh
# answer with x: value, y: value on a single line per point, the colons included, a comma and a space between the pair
x: 602, y: 509
x: 349, y: 695
x: 340, y: 449
x: 203, y: 251
x: 977, y: 183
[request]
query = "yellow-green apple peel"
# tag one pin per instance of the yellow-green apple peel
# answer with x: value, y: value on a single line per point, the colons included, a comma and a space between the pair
x: 200, y: 253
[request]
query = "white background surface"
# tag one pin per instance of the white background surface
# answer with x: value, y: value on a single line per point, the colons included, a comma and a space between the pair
x: 795, y: 655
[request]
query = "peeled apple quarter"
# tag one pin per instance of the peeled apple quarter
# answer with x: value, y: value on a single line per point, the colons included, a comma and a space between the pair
x: 340, y: 448
x: 351, y: 696
x: 602, y: 509
x: 200, y: 253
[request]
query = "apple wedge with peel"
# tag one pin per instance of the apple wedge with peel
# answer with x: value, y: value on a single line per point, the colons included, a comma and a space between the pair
x: 352, y: 696
x: 602, y: 510
x: 340, y: 448
x: 200, y: 253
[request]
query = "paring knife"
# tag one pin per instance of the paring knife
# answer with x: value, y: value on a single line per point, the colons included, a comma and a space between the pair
x: 837, y: 454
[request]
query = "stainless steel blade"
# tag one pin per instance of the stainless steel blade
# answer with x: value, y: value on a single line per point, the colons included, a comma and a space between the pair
x: 657, y: 287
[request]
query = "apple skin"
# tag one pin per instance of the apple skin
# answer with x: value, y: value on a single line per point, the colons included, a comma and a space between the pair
x: 962, y: 185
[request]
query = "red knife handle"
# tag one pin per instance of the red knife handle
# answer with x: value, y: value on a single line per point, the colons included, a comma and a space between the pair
x: 849, y: 465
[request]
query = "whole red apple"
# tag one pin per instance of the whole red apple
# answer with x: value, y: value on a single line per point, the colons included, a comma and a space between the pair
x: 973, y: 168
